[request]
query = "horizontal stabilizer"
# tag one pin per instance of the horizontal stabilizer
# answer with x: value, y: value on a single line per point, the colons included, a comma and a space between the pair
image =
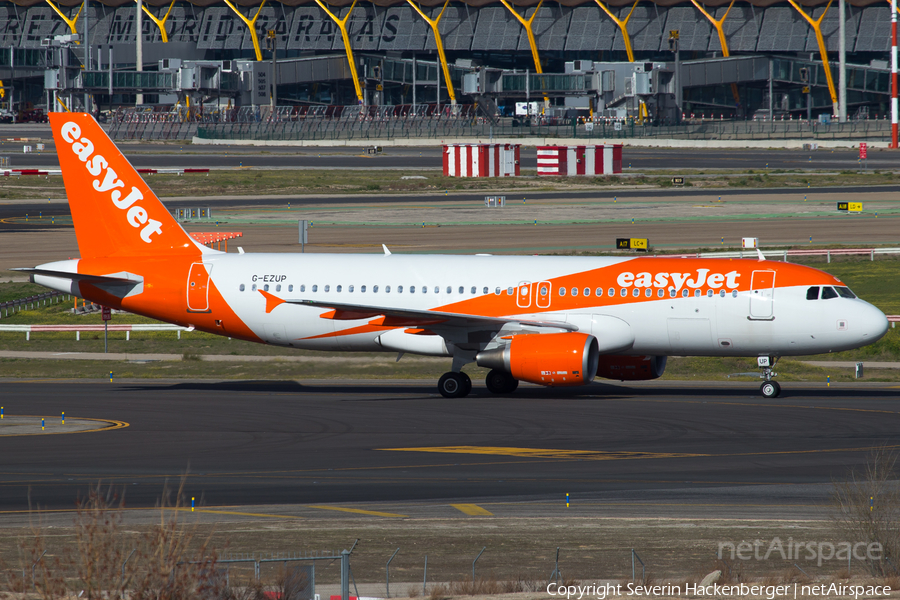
x: 99, y: 279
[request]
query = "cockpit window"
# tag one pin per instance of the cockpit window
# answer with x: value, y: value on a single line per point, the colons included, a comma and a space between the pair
x: 812, y: 293
x: 828, y: 293
x: 845, y: 292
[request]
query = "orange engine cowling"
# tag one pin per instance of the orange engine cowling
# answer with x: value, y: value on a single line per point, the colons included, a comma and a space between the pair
x: 631, y: 368
x: 552, y: 359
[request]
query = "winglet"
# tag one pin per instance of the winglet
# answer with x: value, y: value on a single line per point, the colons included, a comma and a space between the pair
x: 386, y: 251
x: 761, y: 256
x: 272, y: 302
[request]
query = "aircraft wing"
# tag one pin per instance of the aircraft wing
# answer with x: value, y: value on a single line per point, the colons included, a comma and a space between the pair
x: 97, y: 279
x: 400, y: 317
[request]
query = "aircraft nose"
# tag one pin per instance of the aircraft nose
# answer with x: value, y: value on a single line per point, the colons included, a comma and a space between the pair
x: 873, y: 324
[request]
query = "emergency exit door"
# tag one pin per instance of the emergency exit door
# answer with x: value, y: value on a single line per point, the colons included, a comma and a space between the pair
x: 198, y: 287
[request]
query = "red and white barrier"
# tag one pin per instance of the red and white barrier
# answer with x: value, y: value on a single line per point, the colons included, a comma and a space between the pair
x: 481, y: 160
x: 579, y: 160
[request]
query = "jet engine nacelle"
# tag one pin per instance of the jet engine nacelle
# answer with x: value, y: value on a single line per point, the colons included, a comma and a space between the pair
x: 631, y: 368
x: 552, y: 359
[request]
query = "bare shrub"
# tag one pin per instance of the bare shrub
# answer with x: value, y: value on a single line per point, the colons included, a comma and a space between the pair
x: 867, y: 508
x: 167, y: 562
x: 438, y: 591
x: 412, y: 591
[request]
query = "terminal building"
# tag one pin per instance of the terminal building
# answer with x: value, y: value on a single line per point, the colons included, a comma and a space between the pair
x: 659, y: 59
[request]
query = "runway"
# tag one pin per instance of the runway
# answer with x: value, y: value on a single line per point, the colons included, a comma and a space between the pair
x: 276, y: 444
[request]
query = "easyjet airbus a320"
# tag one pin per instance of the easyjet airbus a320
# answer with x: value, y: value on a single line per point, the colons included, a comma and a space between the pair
x: 554, y: 321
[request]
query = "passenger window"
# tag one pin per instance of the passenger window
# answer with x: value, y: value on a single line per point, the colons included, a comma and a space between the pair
x: 623, y: 292
x: 612, y: 292
x: 660, y: 293
x: 424, y: 289
x: 266, y: 287
x: 598, y: 292
x: 484, y: 291
x: 253, y: 289
x: 684, y: 293
x: 562, y: 291
x: 672, y: 292
x: 362, y: 289
x: 648, y: 293
x: 412, y: 289
x: 472, y: 290
x: 399, y: 289
x: 291, y: 288
x: 350, y: 288
x: 544, y: 290
x: 337, y: 289
x: 497, y: 291
x: 242, y: 287
x: 636, y: 292
x: 387, y: 289
x: 587, y: 291
x: 449, y: 290
x: 574, y: 291
x: 721, y: 293
x: 697, y: 293
x: 828, y: 293
x: 315, y: 288
x: 734, y: 293
x: 509, y: 291
x: 278, y: 288
x: 462, y: 290
x: 437, y: 290
x: 709, y: 293
x: 327, y: 288
x: 845, y: 292
x: 374, y: 289
x: 812, y: 293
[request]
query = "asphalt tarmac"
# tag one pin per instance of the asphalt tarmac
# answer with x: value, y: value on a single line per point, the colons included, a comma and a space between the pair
x: 273, y: 444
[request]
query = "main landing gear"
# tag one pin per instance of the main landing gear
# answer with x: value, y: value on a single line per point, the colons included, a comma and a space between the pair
x: 501, y: 382
x: 458, y: 385
x: 769, y: 388
x: 454, y: 385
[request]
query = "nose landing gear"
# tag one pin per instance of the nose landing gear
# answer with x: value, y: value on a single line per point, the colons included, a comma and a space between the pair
x: 769, y: 388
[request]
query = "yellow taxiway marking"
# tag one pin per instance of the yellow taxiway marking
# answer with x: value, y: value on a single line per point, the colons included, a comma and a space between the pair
x: 359, y: 511
x: 543, y: 452
x: 111, y: 426
x: 473, y: 510
x: 240, y: 514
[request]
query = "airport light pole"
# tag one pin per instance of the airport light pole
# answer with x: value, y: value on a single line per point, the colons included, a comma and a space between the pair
x: 272, y: 43
x: 139, y: 47
x: 842, y: 63
x: 894, y: 74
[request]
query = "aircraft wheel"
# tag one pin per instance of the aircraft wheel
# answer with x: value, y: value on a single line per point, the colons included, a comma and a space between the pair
x: 453, y: 385
x: 501, y: 382
x: 770, y: 389
x: 468, y: 383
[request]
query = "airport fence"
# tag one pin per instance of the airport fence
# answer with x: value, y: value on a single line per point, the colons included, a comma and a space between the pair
x: 367, y: 124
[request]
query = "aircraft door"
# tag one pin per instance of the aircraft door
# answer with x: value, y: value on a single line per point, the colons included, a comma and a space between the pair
x: 762, y: 295
x: 198, y: 287
x: 544, y: 294
x: 523, y: 294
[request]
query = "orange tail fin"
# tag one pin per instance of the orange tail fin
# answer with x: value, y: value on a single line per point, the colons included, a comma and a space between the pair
x: 114, y: 212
